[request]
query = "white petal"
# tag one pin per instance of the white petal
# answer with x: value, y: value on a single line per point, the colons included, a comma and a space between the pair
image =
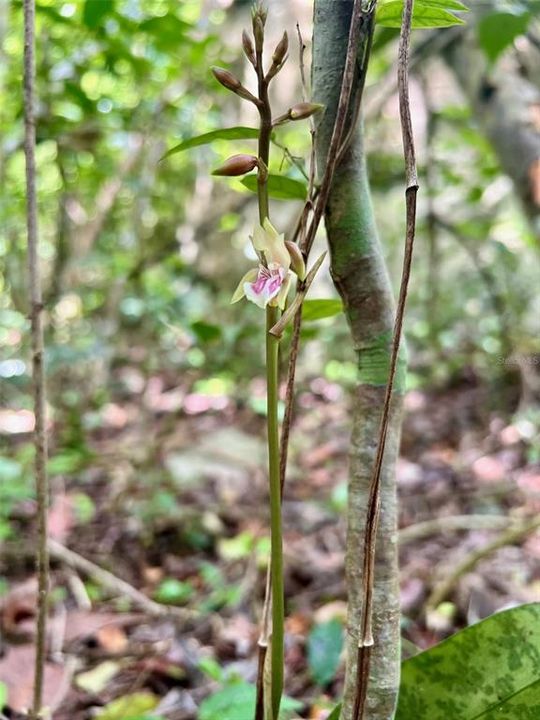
x: 260, y: 299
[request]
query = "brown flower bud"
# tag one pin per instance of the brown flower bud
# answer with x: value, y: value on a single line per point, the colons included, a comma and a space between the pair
x: 297, y: 259
x: 237, y: 165
x: 303, y: 110
x: 258, y: 10
x: 248, y: 47
x: 228, y: 80
x: 281, y: 50
x: 258, y: 31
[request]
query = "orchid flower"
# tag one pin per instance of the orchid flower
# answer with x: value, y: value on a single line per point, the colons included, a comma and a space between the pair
x: 270, y: 283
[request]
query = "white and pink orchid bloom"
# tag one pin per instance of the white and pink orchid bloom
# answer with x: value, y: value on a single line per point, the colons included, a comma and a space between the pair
x: 269, y: 285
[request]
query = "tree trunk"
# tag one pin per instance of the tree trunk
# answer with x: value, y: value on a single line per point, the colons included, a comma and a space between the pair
x: 360, y: 276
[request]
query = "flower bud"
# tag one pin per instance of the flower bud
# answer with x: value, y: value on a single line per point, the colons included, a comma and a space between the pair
x: 281, y: 50
x: 237, y: 165
x: 303, y: 110
x: 259, y: 11
x: 248, y: 47
x: 228, y: 80
x: 258, y: 16
x: 297, y: 259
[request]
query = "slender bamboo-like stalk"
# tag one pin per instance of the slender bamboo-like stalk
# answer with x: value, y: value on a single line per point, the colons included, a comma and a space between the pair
x: 278, y: 610
x: 365, y: 639
x: 274, y: 587
x: 38, y: 373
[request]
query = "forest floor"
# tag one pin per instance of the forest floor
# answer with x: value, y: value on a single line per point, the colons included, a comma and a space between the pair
x: 173, y: 500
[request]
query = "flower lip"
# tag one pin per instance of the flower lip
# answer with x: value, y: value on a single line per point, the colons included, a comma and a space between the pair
x: 267, y: 284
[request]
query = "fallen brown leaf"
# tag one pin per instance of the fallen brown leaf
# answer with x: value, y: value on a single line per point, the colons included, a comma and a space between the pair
x: 17, y: 673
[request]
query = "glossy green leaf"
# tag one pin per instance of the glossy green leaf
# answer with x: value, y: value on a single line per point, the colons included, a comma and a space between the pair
x: 237, y: 702
x: 280, y: 187
x: 498, y: 30
x: 232, y: 133
x: 426, y: 14
x: 324, y: 646
x: 318, y: 309
x: 489, y: 671
x: 94, y: 11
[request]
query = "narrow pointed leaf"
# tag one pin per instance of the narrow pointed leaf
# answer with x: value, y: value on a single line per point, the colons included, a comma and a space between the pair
x: 425, y: 15
x: 232, y: 133
x: 280, y: 187
x: 336, y: 712
x: 445, y: 4
x: 320, y: 308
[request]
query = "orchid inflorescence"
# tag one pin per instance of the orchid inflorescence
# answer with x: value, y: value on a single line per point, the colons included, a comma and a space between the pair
x: 270, y: 283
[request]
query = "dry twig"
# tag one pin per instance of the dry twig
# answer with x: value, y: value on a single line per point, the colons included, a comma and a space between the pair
x: 365, y: 641
x: 454, y: 523
x: 114, y: 584
x: 514, y: 535
x: 38, y: 372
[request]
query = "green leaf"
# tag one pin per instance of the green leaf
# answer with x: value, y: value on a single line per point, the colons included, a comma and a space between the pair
x: 232, y: 133
x: 445, y: 4
x: 336, y: 712
x: 498, y: 30
x: 168, y: 31
x: 173, y: 592
x: 129, y: 707
x: 95, y: 10
x: 237, y: 702
x: 426, y: 13
x: 280, y: 187
x: 321, y: 308
x: 3, y: 695
x: 487, y: 672
x: 324, y: 646
x: 206, y: 332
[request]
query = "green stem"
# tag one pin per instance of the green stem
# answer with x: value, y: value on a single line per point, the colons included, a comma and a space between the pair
x: 272, y: 380
x: 276, y: 564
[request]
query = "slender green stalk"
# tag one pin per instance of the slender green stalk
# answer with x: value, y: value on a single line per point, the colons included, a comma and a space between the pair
x: 276, y: 563
x: 272, y: 381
